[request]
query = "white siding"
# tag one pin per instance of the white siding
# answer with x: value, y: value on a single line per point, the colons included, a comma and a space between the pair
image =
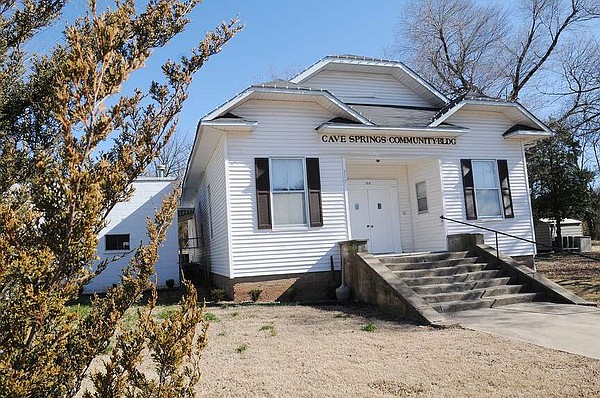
x: 130, y: 218
x: 366, y: 88
x: 285, y: 129
x: 428, y: 228
x: 485, y: 142
x: 212, y: 211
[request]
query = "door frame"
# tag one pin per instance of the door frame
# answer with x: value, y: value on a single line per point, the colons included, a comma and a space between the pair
x: 392, y: 185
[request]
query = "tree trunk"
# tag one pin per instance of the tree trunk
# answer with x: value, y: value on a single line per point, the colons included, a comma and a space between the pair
x: 559, y: 240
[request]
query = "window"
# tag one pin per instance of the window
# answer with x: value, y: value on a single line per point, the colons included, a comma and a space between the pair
x: 487, y: 192
x: 421, y: 189
x: 486, y: 189
x: 289, y: 195
x: 288, y: 192
x: 117, y: 242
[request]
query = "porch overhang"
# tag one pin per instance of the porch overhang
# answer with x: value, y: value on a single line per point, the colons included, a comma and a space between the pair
x: 185, y: 214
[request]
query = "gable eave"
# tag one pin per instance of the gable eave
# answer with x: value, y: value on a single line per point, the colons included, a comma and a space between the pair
x: 500, y: 105
x: 392, y: 66
x: 265, y: 92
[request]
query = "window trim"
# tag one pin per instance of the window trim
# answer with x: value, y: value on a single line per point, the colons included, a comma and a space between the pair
x: 122, y: 250
x: 306, y: 223
x: 419, y: 211
x: 498, y: 189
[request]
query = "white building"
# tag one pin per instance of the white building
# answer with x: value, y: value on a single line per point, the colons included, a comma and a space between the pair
x: 352, y: 148
x: 126, y: 229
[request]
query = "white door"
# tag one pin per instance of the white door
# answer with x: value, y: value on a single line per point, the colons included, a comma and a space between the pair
x: 382, y: 235
x: 373, y: 212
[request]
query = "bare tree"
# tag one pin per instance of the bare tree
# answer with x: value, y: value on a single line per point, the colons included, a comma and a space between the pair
x: 462, y: 45
x: 454, y: 43
x: 173, y: 156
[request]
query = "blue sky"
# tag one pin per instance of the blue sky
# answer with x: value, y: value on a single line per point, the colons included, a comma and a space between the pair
x: 280, y: 36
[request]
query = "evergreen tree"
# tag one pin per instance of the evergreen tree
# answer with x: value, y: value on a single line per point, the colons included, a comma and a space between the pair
x: 559, y: 187
x: 57, y: 186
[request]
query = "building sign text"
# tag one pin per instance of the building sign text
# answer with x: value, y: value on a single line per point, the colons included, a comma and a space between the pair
x: 384, y: 139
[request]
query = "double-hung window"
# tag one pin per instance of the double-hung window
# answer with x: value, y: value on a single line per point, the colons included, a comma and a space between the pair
x: 289, y: 191
x: 486, y: 189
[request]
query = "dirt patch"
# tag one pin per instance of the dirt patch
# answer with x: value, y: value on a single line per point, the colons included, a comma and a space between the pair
x: 580, y: 275
x: 321, y: 351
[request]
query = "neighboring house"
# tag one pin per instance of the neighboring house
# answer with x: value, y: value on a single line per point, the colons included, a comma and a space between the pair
x: 352, y: 148
x: 126, y: 229
x: 545, y: 233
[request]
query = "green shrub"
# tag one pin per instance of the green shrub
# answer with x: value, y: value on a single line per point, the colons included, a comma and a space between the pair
x: 241, y: 348
x: 218, y: 294
x: 369, y: 328
x: 255, y: 294
x: 209, y: 316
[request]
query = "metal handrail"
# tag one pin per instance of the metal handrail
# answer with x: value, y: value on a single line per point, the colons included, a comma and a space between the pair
x: 517, y: 237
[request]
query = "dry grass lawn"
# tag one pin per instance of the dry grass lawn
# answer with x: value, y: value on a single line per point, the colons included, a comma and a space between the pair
x: 323, y: 351
x: 580, y: 275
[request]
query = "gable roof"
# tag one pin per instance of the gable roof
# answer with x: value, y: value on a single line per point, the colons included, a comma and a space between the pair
x: 478, y: 101
x: 281, y: 89
x: 374, y: 65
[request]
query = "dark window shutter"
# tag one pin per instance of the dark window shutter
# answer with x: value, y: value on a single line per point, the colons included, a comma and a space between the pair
x: 313, y: 177
x: 505, y: 188
x: 468, y: 188
x: 263, y: 192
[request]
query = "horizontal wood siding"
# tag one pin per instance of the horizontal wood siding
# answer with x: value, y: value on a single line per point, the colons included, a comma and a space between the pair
x: 429, y: 231
x: 485, y: 141
x: 285, y: 129
x: 366, y: 88
x: 130, y: 218
x: 215, y: 237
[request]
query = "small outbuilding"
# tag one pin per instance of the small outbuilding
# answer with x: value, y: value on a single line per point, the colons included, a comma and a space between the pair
x: 126, y: 229
x: 352, y: 148
x: 571, y: 231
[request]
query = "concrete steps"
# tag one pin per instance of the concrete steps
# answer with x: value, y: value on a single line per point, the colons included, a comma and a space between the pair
x: 396, y: 266
x: 456, y: 281
x: 441, y: 271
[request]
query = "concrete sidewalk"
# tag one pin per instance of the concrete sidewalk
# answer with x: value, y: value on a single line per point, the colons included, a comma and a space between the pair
x: 564, y: 327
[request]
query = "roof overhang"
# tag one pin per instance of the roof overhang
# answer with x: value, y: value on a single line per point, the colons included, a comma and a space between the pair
x: 527, y: 136
x: 512, y: 110
x: 371, y: 65
x: 337, y: 128
x: 208, y: 135
x: 234, y: 126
